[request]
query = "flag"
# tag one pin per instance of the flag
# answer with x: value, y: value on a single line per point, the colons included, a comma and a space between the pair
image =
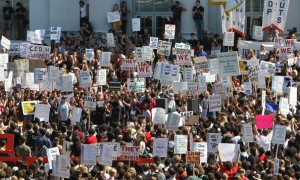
x: 232, y: 5
x: 216, y: 2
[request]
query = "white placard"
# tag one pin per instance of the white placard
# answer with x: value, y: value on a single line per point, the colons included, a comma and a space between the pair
x: 284, y: 105
x: 183, y: 59
x: 229, y: 152
x: 137, y: 85
x: 5, y: 42
x: 88, y: 154
x: 247, y: 132
x: 164, y: 48
x: 90, y: 103
x: 51, y: 155
x: 138, y: 54
x: 213, y: 140
x: 160, y: 147
x: 147, y: 53
x: 158, y: 115
x: 169, y: 31
x: 191, y: 88
x: 28, y: 82
x: 130, y: 153
x: 136, y: 24
x: 213, y: 66
x: 258, y: 33
x: 180, y: 144
x: 76, y: 115
x: 228, y: 39
x: 276, y: 165
x: 153, y: 42
x: 173, y: 121
x: 3, y: 58
x: 215, y: 103
x: 105, y: 58
x: 67, y: 148
x: 63, y: 164
x: 202, y: 148
x: 89, y: 53
x: 101, y: 77
x: 179, y: 87
x: 66, y: 83
x: 202, y: 87
x: 55, y: 33
x: 85, y: 79
x: 144, y: 71
x: 39, y: 52
x: 39, y: 75
x: 279, y: 133
x: 53, y: 73
x: 188, y: 75
x: 247, y: 88
x: 293, y: 96
x: 110, y: 40
x: 106, y: 156
x: 113, y: 16
x: 42, y: 112
x: 228, y: 64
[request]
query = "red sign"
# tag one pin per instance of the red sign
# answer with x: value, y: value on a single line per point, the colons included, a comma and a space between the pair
x: 192, y: 157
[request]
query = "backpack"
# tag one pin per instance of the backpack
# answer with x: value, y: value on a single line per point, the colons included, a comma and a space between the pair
x: 43, y: 151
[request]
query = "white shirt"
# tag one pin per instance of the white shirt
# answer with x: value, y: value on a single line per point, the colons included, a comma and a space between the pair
x: 265, y: 141
x: 83, y: 11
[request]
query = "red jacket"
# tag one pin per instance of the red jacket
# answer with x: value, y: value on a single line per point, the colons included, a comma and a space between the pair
x: 91, y: 140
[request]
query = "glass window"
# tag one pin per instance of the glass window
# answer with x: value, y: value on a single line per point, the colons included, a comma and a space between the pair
x: 254, y: 6
x: 253, y: 21
x: 152, y: 6
x: 162, y: 6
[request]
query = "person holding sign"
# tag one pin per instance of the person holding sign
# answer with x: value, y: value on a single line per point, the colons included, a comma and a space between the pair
x: 198, y: 13
x: 228, y: 167
x: 116, y: 25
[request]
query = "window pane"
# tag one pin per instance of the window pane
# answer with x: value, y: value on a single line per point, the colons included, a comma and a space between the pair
x: 254, y: 6
x: 144, y: 5
x: 162, y: 6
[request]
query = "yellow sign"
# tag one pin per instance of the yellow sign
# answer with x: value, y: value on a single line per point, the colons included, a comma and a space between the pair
x: 28, y: 107
x: 216, y: 2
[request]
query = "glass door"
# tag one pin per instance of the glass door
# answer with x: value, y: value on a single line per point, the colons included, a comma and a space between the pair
x: 160, y: 24
x: 146, y: 23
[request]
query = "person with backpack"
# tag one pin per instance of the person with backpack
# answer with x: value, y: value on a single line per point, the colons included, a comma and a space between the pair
x: 42, y: 143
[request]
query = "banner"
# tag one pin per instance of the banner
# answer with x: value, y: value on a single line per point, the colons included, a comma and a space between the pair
x: 160, y: 147
x: 193, y: 157
x: 110, y: 40
x: 42, y: 112
x: 137, y: 85
x: 164, y: 48
x: 55, y: 33
x: 180, y: 144
x: 90, y: 103
x: 279, y: 134
x: 215, y: 103
x: 101, y: 77
x: 113, y: 16
x: 169, y: 31
x: 202, y: 148
x: 130, y: 153
x: 275, y: 14
x: 105, y: 58
x: 5, y: 42
x: 153, y: 42
x: 235, y: 20
x: 232, y: 5
x: 136, y: 24
x: 66, y: 83
x: 144, y: 71
x: 264, y: 121
x: 38, y: 52
x: 228, y: 64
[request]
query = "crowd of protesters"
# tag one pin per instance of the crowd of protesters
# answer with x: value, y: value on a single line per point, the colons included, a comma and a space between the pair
x: 125, y: 117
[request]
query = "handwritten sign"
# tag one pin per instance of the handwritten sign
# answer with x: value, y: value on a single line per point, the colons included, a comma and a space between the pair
x: 169, y: 31
x: 90, y: 103
x: 228, y: 64
x: 158, y: 115
x: 39, y: 52
x: 136, y: 24
x: 247, y: 132
x: 113, y: 16
x: 202, y: 148
x: 279, y: 134
x: 213, y: 140
x: 164, y: 48
x: 153, y: 42
x: 215, y: 103
x: 192, y: 157
x: 130, y: 153
x: 160, y: 147
x: 180, y: 144
x: 5, y: 42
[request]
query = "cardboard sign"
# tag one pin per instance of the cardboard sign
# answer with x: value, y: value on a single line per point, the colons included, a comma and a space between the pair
x: 63, y: 165
x: 55, y: 33
x: 293, y: 96
x: 213, y: 140
x: 164, y: 48
x: 5, y: 42
x: 42, y: 112
x: 173, y: 121
x: 113, y: 16
x: 144, y: 71
x: 215, y: 50
x: 101, y: 77
x: 247, y: 132
x: 110, y: 40
x: 264, y: 121
x: 180, y: 144
x: 228, y: 64
x: 243, y: 66
x: 138, y: 54
x: 147, y: 53
x: 66, y: 83
x: 130, y: 153
x: 137, y: 85
x: 153, y: 42
x: 85, y: 79
x: 160, y: 147
x: 28, y: 81
x: 106, y: 157
x: 89, y: 53
x: 202, y: 148
x: 248, y: 88
x: 136, y: 24
x: 279, y: 134
x: 267, y: 68
x: 213, y: 66
x: 158, y: 115
x: 229, y: 152
x: 215, y: 103
x: 38, y: 52
x: 169, y: 31
x: 76, y: 115
x: 105, y: 58
x: 228, y: 39
x: 39, y: 75
x: 90, y: 103
x: 201, y: 63
x: 284, y: 105
x: 281, y: 83
x: 128, y: 64
x: 51, y: 155
x: 115, y: 152
x: 53, y: 73
x: 193, y: 157
x: 88, y: 154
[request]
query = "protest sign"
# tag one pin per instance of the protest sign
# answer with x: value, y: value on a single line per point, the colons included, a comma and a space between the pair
x: 2, y: 75
x: 39, y: 75
x: 202, y: 148
x: 247, y: 88
x: 276, y: 166
x: 257, y: 33
x: 169, y: 31
x: 180, y: 144
x: 213, y: 140
x: 53, y: 73
x: 285, y: 51
x: 281, y: 84
x: 3, y: 58
x: 173, y: 121
x: 89, y: 53
x: 267, y: 68
x: 188, y: 75
x: 213, y: 66
x: 175, y: 73
x: 23, y: 49
x: 200, y: 63
x: 215, y: 103
x: 279, y: 133
x: 28, y: 82
x: 85, y: 79
x: 158, y: 115
x: 228, y: 64
x: 67, y: 148
x: 263, y: 101
x: 153, y: 42
x: 51, y: 155
x: 290, y: 42
x: 55, y: 33
x: 137, y: 85
x: 101, y: 77
x: 278, y: 42
x: 186, y: 114
x: 243, y: 66
x: 138, y: 54
x: 7, y: 85
x: 110, y: 40
x: 192, y: 157
x: 215, y: 50
x: 228, y: 39
x: 253, y: 68
x: 66, y: 83
x: 76, y: 115
x: 183, y: 59
x: 114, y: 85
x: 275, y: 14
x: 144, y: 71
x: 128, y: 64
x: 264, y: 121
x: 46, y: 85
x: 136, y: 24
x: 166, y: 70
x: 130, y: 153
x: 164, y: 48
x: 106, y: 156
x: 218, y: 89
x: 63, y: 165
x: 38, y: 52
x: 202, y: 87
x: 247, y: 133
x: 88, y: 154
x: 225, y: 80
x: 234, y: 20
x: 179, y: 87
x: 105, y: 58
x: 191, y: 88
x: 182, y: 48
x: 229, y: 152
x: 42, y: 112
x: 115, y: 152
x: 147, y: 53
x: 113, y: 16
x: 160, y: 147
x: 293, y: 96
x: 90, y: 103
x: 5, y: 42
x: 14, y: 50
x: 284, y: 105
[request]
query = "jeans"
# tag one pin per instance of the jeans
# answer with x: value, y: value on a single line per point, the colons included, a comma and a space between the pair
x: 200, y: 28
